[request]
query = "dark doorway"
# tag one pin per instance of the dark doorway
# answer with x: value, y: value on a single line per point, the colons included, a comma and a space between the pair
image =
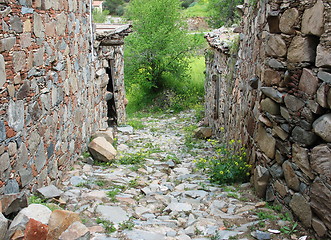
x: 111, y: 114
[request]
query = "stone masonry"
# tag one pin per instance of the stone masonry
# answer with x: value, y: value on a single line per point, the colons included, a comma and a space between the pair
x: 52, y: 89
x: 275, y: 96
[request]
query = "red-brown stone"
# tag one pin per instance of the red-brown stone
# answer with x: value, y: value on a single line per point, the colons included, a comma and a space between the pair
x: 35, y: 230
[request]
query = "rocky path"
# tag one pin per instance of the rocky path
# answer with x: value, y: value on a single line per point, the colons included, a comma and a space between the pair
x: 154, y: 192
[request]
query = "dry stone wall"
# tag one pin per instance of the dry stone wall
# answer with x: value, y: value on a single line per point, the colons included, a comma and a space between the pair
x: 277, y: 100
x: 51, y: 90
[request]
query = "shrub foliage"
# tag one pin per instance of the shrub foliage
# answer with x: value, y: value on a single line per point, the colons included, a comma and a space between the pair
x: 158, y: 48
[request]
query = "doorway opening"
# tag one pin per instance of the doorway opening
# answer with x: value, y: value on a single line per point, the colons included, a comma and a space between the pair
x: 111, y: 112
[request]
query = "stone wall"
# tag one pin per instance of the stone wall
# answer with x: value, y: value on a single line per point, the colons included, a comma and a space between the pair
x: 275, y: 96
x: 52, y: 90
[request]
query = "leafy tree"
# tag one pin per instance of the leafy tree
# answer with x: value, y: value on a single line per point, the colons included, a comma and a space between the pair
x: 100, y: 17
x: 115, y: 6
x: 158, y: 48
x: 223, y: 12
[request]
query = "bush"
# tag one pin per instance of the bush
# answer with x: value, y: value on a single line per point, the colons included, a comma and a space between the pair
x: 223, y: 12
x: 229, y: 166
x: 100, y: 17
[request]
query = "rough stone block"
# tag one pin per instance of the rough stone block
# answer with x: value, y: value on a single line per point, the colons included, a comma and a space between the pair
x: 301, y: 208
x: 3, y: 76
x: 270, y: 106
x: 76, y: 231
x: 273, y: 94
x: 50, y: 192
x: 261, y: 180
x: 313, y: 19
x: 19, y: 60
x: 324, y: 76
x: 293, y: 103
x: 16, y: 24
x: 38, y: 57
x: 301, y: 159
x: 321, y: 161
x: 303, y: 136
x: 291, y: 178
x: 59, y: 221
x: 322, y: 127
x: 16, y: 115
x: 288, y: 20
x: 26, y: 175
x: 266, y: 142
x: 323, y: 58
x: 102, y: 150
x: 319, y: 227
x: 322, y: 95
x: 114, y: 214
x: 320, y: 196
x: 281, y: 188
x: 308, y: 82
x: 61, y: 23
x: 12, y: 203
x: 271, y: 77
x: 302, y: 49
x: 40, y: 160
x: 7, y: 44
x: 276, y: 46
x: 38, y: 26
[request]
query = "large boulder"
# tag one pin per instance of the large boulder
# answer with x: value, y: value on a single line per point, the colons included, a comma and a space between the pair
x: 102, y: 150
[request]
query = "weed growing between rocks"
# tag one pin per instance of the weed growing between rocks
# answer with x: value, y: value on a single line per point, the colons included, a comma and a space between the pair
x: 127, y: 225
x: 108, y: 226
x: 38, y: 200
x: 228, y: 166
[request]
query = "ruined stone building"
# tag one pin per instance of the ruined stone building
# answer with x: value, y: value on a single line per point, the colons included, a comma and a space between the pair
x: 275, y: 96
x: 56, y: 75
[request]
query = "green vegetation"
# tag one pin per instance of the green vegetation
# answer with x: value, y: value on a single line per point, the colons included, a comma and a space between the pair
x: 86, y: 155
x: 100, y: 16
x: 158, y: 58
x: 133, y: 158
x: 229, y: 166
x: 290, y: 230
x: 112, y: 194
x: 197, y: 9
x: 108, y: 226
x: 100, y: 183
x: 36, y: 200
x: 115, y: 7
x: 136, y: 123
x: 39, y: 200
x: 223, y: 12
x: 126, y: 225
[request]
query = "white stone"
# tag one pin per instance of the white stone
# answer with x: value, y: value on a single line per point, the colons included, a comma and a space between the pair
x: 38, y: 212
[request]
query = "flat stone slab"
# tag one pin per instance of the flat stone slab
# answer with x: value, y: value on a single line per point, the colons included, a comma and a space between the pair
x: 179, y: 207
x: 112, y: 214
x: 50, y: 191
x: 143, y: 235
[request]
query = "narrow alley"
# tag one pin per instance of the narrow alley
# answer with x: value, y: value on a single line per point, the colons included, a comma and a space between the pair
x: 154, y: 191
